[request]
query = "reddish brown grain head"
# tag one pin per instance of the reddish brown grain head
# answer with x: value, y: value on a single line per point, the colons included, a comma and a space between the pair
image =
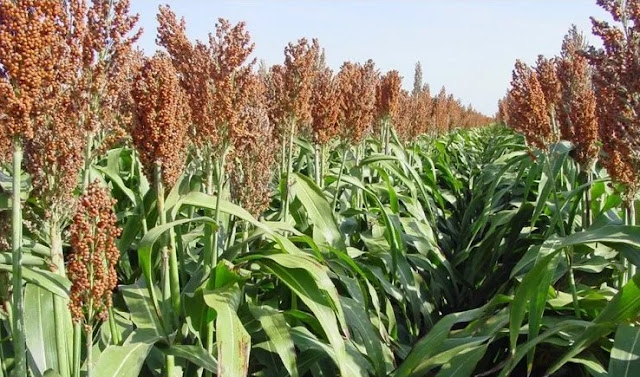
x: 357, y: 95
x: 108, y: 59
x: 440, y: 116
x: 325, y: 107
x: 387, y: 94
x: 231, y: 46
x: 162, y: 118
x: 617, y: 90
x: 548, y: 78
x: 403, y: 118
x: 254, y: 152
x: 527, y: 108
x: 31, y: 38
x: 94, y: 256
x: 577, y: 109
x: 298, y: 77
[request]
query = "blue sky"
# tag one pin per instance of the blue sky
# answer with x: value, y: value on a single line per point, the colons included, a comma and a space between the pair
x: 469, y: 46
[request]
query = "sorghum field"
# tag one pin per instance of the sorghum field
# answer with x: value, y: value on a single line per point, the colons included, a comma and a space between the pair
x: 193, y: 213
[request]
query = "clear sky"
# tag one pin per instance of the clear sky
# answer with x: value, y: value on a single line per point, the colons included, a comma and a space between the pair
x: 469, y: 46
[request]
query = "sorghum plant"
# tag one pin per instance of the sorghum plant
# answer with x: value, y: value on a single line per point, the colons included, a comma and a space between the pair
x: 33, y: 71
x: 387, y: 99
x: 615, y: 75
x: 92, y: 263
x: 527, y: 107
x: 324, y: 115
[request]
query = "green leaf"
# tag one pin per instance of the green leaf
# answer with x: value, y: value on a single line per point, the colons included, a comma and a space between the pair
x: 463, y: 363
x: 359, y: 321
x: 274, y: 324
x: 143, y: 312
x: 40, y: 332
x: 194, y: 354
x: 301, y: 282
x: 320, y: 276
x: 233, y: 341
x: 624, y: 306
x: 625, y: 355
x: 54, y: 283
x: 122, y: 361
x: 430, y: 344
x: 319, y: 211
x: 145, y: 249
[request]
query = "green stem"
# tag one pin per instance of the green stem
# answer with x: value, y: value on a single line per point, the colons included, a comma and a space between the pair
x: 142, y: 209
x: 568, y: 257
x: 587, y: 199
x: 285, y: 194
x: 174, y: 274
x: 171, y: 363
x: 283, y: 153
x: 77, y: 348
x: 631, y: 220
x: 231, y: 237
x: 245, y: 237
x: 208, y: 228
x: 316, y: 160
x: 213, y: 261
x: 113, y: 328
x: 322, y: 165
x: 19, y: 344
x: 335, y: 197
x: 60, y: 305
x: 387, y: 135
x: 216, y: 214
x: 89, y: 351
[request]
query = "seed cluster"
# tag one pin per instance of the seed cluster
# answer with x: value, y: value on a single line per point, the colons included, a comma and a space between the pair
x: 548, y: 78
x: 591, y: 96
x: 91, y: 266
x: 577, y: 108
x: 325, y: 107
x: 615, y: 77
x: 300, y: 64
x: 162, y: 118
x: 441, y: 110
x: 388, y: 94
x: 527, y: 107
x: 253, y: 154
x: 357, y: 92
x: 31, y: 36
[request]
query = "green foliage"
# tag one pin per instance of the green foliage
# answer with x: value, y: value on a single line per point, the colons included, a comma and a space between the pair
x: 460, y: 255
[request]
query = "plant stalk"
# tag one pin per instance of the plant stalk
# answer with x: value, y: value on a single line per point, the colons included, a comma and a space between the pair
x: 387, y: 135
x: 174, y: 274
x: 335, y: 197
x: 19, y: 342
x: 77, y: 348
x: 213, y: 261
x: 322, y: 165
x: 285, y: 194
x: 631, y: 220
x: 171, y: 363
x: 587, y: 198
x: 60, y: 305
x: 89, y: 336
x: 568, y: 257
x: 316, y: 160
x: 113, y: 328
